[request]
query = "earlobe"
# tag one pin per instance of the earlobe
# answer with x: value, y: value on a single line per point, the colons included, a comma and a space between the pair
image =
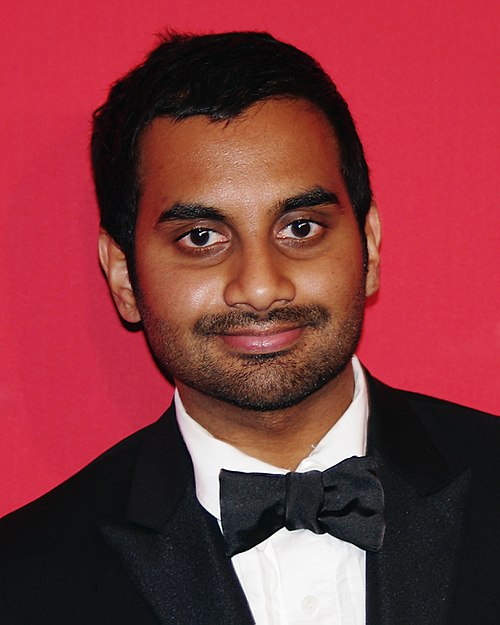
x: 373, y: 237
x: 114, y: 265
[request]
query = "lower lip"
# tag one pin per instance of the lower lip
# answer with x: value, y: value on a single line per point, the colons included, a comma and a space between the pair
x: 262, y: 343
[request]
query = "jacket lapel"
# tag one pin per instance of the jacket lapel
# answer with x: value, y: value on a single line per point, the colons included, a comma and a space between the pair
x: 170, y: 546
x: 173, y: 551
x: 411, y: 580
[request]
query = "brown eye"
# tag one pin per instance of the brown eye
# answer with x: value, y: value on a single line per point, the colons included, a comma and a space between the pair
x: 301, y: 229
x: 201, y: 237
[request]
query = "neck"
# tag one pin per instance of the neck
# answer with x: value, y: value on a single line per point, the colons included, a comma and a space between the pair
x: 280, y: 437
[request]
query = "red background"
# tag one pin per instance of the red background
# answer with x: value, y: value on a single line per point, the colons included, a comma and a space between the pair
x: 421, y: 81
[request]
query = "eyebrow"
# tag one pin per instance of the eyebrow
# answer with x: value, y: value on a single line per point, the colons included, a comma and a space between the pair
x: 187, y: 211
x: 317, y: 196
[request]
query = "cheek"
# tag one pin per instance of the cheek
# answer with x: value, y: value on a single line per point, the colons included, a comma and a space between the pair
x: 201, y: 292
x: 180, y: 296
x: 334, y: 280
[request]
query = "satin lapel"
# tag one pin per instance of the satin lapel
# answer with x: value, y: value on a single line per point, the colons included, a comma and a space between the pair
x: 170, y: 546
x: 412, y: 579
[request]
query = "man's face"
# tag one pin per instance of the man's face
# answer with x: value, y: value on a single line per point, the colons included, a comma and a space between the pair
x: 248, y: 260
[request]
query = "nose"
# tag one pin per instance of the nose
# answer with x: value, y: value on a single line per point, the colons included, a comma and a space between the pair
x: 259, y: 280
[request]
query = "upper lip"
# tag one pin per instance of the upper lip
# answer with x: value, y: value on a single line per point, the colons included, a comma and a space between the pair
x: 265, y: 330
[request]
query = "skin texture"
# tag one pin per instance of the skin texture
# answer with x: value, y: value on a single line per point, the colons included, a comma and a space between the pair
x: 250, y: 281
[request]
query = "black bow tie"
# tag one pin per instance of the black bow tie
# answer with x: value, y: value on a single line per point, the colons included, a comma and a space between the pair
x: 346, y: 501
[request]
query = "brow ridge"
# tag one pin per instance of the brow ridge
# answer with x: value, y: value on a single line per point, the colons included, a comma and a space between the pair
x: 190, y: 210
x: 316, y: 196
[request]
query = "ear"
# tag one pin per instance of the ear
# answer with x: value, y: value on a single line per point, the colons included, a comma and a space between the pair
x: 373, y: 235
x: 114, y: 265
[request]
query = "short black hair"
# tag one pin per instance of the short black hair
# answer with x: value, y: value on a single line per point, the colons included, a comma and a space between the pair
x: 217, y: 75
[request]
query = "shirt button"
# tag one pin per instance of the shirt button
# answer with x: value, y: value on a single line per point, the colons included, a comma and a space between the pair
x: 310, y: 605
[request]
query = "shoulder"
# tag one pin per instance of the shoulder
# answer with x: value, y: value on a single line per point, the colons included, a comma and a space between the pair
x: 99, y: 489
x: 441, y: 414
x: 464, y: 435
x: 54, y: 564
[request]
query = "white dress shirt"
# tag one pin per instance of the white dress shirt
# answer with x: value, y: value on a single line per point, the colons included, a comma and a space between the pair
x: 294, y: 577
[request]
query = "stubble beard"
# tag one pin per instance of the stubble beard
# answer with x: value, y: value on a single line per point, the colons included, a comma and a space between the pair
x: 262, y: 382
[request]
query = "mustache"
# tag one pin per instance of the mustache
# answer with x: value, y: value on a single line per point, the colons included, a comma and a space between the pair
x: 312, y: 316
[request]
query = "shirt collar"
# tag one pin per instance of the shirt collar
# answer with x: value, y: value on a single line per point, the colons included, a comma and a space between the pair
x: 209, y: 455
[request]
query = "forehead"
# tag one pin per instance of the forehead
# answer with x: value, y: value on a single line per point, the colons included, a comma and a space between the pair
x: 274, y: 147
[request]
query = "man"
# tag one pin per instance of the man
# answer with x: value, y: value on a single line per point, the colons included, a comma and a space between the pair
x: 239, y: 229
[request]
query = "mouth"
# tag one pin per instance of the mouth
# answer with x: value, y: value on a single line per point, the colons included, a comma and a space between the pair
x: 262, y: 341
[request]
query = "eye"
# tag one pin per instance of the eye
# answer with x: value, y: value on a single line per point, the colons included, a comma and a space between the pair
x: 201, y: 237
x: 300, y: 229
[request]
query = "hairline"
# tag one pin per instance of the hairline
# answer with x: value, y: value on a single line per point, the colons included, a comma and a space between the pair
x: 225, y: 120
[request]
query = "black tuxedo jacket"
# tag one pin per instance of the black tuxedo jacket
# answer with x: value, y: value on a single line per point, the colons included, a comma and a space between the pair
x: 126, y: 542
